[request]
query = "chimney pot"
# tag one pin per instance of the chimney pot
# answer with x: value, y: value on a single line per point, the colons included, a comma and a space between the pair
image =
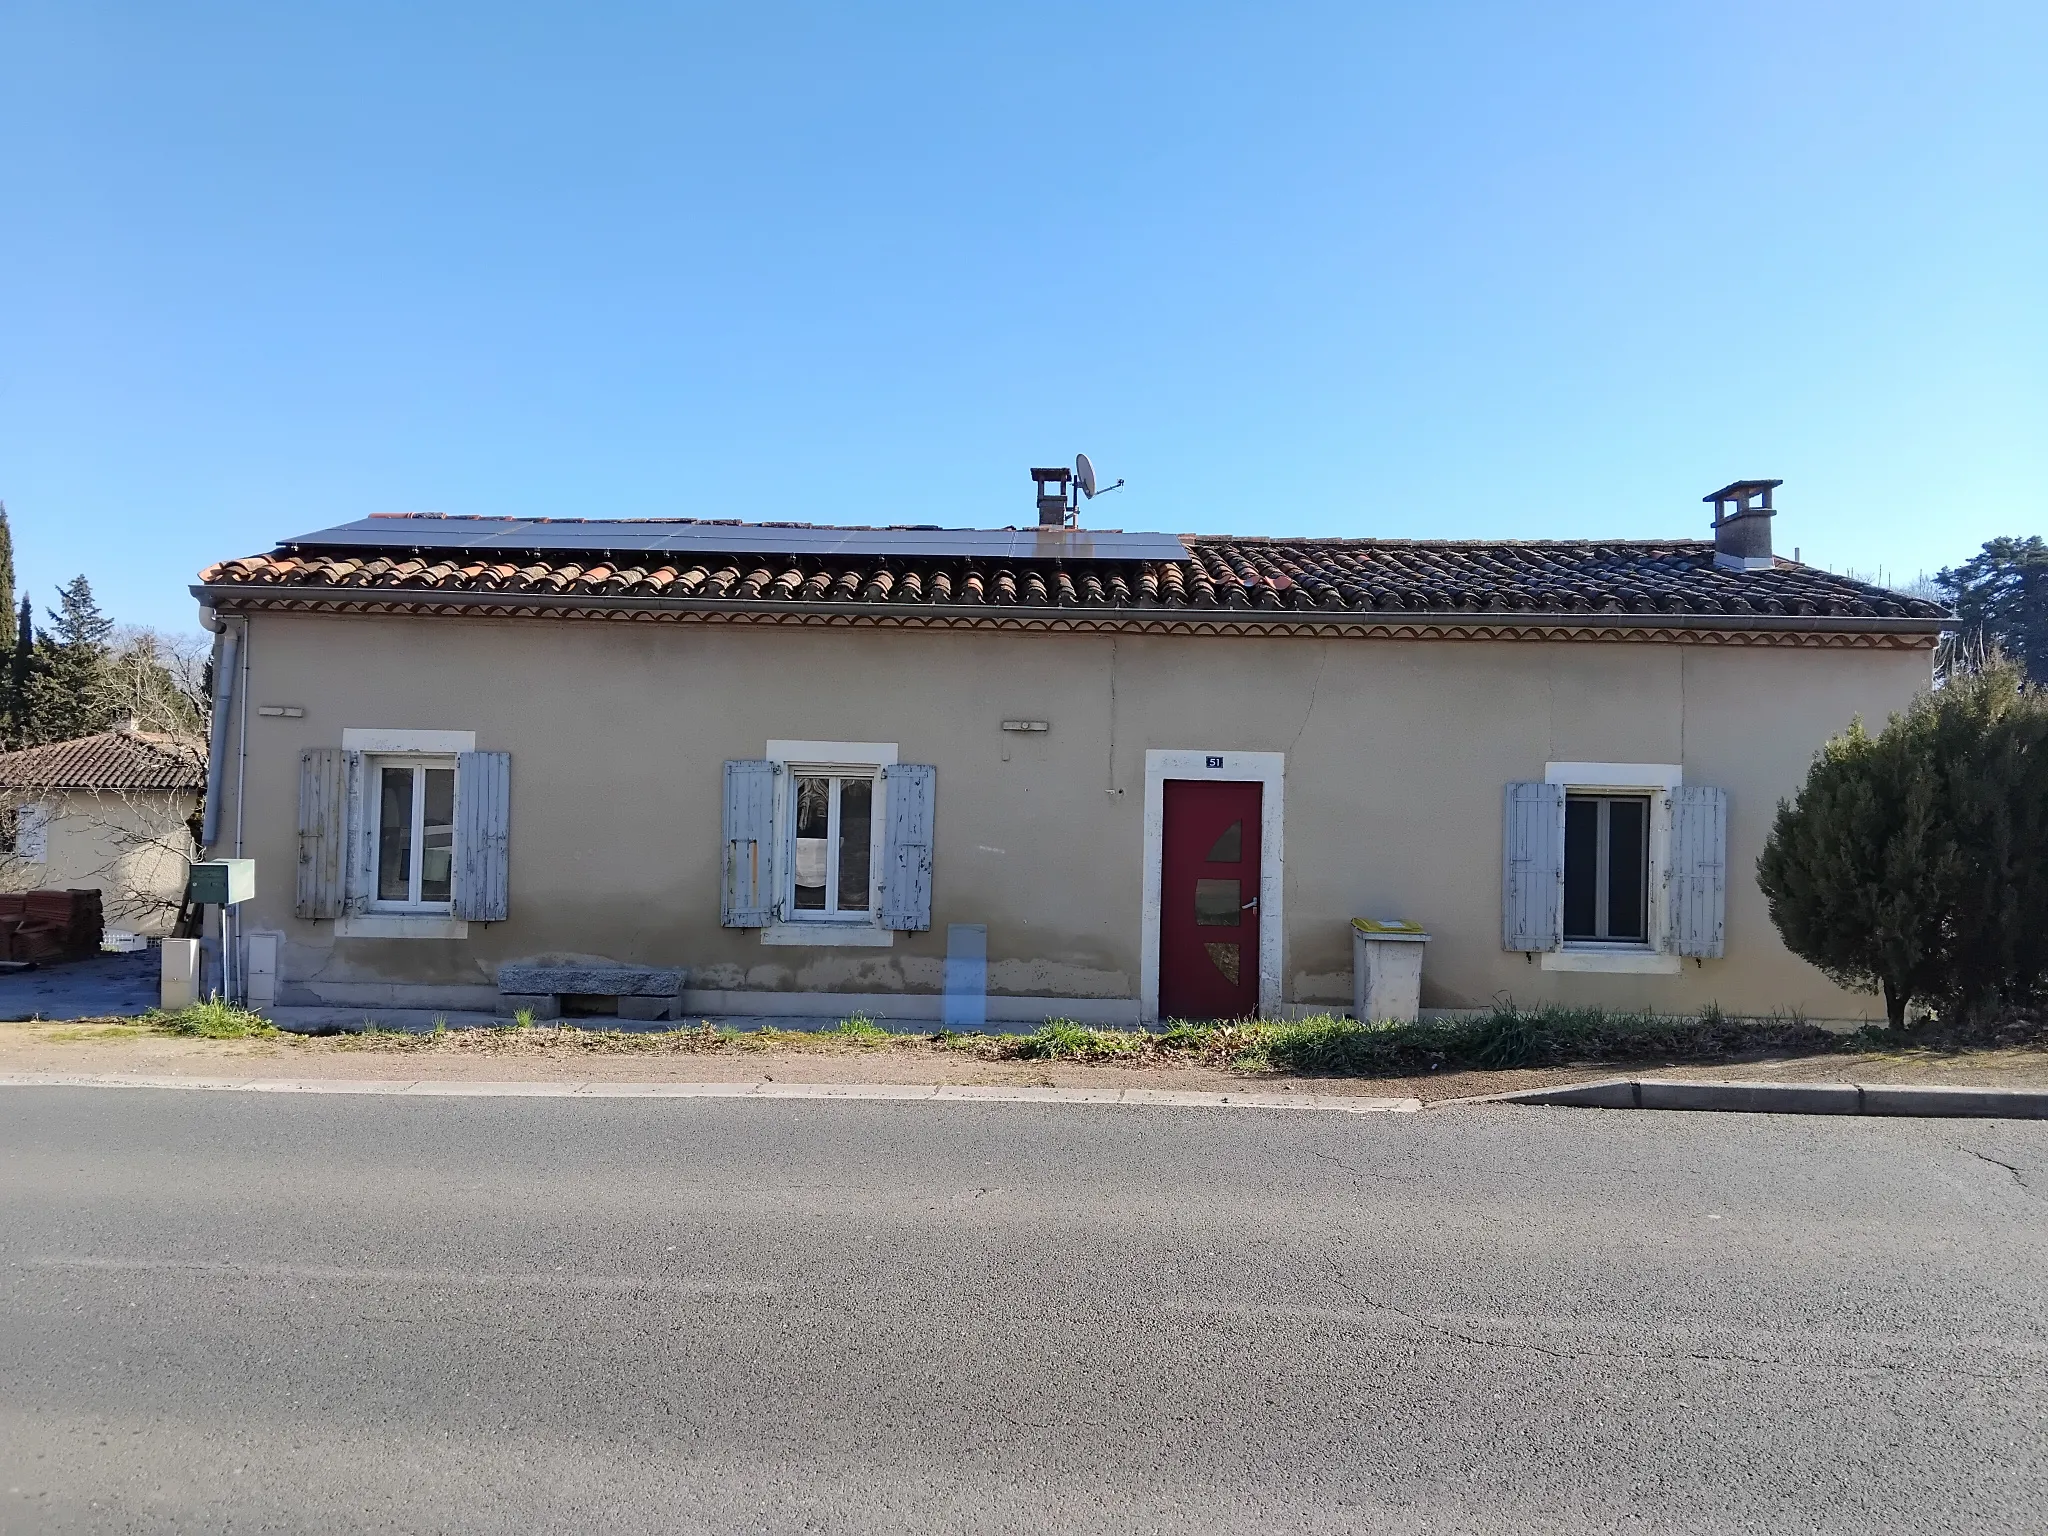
x: 1742, y: 525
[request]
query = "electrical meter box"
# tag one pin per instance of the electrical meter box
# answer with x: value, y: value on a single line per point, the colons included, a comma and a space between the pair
x: 222, y: 882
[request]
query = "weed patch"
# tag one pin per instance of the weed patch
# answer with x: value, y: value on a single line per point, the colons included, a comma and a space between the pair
x: 1064, y: 1040
x: 212, y: 1020
x: 97, y: 1032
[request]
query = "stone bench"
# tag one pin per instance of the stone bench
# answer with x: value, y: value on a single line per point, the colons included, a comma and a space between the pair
x: 548, y: 991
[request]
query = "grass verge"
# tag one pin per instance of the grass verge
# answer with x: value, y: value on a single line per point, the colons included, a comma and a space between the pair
x: 1327, y: 1047
x: 1504, y: 1037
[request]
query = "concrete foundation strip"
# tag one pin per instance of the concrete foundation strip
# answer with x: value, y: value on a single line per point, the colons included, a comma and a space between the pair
x: 1154, y: 1098
x: 1791, y: 1098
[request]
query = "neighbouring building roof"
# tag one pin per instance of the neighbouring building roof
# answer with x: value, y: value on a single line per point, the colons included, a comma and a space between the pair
x: 1659, y: 583
x: 122, y: 758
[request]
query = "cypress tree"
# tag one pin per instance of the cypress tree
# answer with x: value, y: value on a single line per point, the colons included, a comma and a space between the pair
x: 21, y: 671
x: 6, y: 582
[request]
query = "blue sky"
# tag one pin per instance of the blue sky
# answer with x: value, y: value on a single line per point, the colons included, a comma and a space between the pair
x: 1454, y: 270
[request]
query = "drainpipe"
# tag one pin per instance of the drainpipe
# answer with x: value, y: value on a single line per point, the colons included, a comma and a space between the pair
x: 227, y: 656
x: 231, y: 917
x: 242, y: 735
x: 227, y: 648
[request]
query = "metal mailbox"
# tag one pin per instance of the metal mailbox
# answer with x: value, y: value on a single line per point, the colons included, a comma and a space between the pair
x: 222, y: 882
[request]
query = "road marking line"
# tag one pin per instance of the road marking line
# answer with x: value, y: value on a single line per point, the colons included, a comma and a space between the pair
x: 915, y: 1093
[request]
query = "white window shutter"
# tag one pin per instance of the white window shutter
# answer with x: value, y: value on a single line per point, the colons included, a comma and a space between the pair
x: 32, y: 832
x: 907, y: 859
x: 1697, y: 877
x: 483, y: 836
x: 359, y: 878
x: 1532, y: 877
x: 323, y: 832
x: 747, y: 894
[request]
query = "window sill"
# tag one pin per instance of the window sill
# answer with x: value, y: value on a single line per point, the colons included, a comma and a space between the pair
x: 1615, y: 962
x: 400, y: 925
x: 829, y: 935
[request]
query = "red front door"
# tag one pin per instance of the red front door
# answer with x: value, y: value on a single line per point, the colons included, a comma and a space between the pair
x: 1209, y: 901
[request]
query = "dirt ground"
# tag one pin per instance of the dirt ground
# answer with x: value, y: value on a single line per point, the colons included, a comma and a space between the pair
x: 120, y: 1047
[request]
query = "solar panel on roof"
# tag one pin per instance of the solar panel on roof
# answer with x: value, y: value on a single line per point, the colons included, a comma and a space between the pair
x: 484, y: 535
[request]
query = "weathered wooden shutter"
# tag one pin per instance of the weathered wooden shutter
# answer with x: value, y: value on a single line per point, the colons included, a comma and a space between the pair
x: 907, y: 859
x: 746, y: 898
x: 1697, y: 876
x: 323, y: 831
x: 32, y: 832
x: 359, y: 877
x: 1532, y: 879
x: 483, y: 836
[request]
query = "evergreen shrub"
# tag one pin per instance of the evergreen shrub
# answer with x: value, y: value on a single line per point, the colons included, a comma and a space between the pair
x: 1915, y: 862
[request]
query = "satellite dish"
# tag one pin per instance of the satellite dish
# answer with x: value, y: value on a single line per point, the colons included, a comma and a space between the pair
x: 1085, y: 473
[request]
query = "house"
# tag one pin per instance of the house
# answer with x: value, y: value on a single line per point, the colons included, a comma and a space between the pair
x: 1105, y: 776
x: 112, y: 811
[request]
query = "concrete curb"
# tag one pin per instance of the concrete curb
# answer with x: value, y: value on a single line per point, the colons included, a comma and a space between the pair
x: 1149, y: 1098
x: 1791, y: 1098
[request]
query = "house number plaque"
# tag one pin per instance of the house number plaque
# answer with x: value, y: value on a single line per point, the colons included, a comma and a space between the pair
x: 1215, y: 762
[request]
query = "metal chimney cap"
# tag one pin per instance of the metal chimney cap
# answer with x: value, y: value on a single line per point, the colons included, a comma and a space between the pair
x: 1742, y: 525
x: 1742, y: 490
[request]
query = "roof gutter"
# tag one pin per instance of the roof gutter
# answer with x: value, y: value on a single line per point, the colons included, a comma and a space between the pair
x: 239, y: 596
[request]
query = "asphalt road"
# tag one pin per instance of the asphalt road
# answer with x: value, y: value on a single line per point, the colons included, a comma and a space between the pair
x: 259, y: 1312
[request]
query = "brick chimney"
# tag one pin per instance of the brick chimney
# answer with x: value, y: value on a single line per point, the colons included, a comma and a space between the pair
x: 1742, y: 525
x: 1052, y: 496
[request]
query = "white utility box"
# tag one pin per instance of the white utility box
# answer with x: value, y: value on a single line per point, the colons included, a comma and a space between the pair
x: 1386, y: 969
x: 259, y: 970
x: 179, y: 987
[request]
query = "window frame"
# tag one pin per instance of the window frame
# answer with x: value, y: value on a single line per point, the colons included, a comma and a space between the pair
x: 374, y: 764
x: 838, y: 776
x: 1652, y: 954
x: 1603, y: 869
x: 370, y: 921
x: 841, y: 760
x: 29, y: 825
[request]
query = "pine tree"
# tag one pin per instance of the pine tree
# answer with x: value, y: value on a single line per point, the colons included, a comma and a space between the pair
x: 2001, y: 596
x: 71, y: 693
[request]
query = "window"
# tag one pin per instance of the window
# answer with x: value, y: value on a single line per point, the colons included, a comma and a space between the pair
x: 1607, y: 869
x: 414, y: 804
x: 404, y: 833
x: 30, y: 824
x: 832, y: 829
x: 806, y: 828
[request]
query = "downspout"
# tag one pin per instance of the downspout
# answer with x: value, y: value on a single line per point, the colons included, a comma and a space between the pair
x: 227, y: 649
x: 231, y: 917
x: 242, y: 748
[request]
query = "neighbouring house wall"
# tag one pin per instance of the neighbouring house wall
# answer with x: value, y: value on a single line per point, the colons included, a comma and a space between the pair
x: 133, y: 846
x: 1397, y: 752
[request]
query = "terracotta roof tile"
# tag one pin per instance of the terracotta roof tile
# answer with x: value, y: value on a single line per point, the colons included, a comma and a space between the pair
x: 116, y: 759
x: 1324, y: 575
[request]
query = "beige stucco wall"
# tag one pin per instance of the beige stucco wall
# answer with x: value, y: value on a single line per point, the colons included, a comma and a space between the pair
x: 133, y: 846
x: 1396, y: 756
